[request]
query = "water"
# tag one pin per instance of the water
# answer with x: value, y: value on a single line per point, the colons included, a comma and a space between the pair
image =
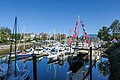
x: 99, y: 72
x: 48, y: 71
x: 54, y: 71
x: 58, y: 70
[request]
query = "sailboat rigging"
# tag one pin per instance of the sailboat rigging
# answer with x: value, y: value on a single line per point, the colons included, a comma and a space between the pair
x: 17, y: 74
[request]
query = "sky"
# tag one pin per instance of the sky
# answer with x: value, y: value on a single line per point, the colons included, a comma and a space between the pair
x: 58, y: 15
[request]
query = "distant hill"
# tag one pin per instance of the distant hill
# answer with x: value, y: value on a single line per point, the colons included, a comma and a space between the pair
x: 91, y: 35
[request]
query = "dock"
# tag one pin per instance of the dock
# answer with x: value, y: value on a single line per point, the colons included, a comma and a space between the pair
x: 83, y: 72
x: 29, y: 57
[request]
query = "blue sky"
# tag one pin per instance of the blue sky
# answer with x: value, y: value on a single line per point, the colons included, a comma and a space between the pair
x: 42, y: 15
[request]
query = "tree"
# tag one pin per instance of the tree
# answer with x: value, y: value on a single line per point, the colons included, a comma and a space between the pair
x: 52, y: 38
x: 103, y: 34
x: 5, y: 33
x: 115, y: 29
x: 104, y: 68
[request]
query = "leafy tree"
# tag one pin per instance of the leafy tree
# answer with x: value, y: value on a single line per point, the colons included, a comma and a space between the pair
x: 18, y: 35
x: 5, y: 29
x: 115, y: 29
x: 35, y: 39
x: 63, y: 41
x: 5, y: 33
x: 104, y: 68
x: 52, y: 38
x: 28, y: 40
x: 103, y: 34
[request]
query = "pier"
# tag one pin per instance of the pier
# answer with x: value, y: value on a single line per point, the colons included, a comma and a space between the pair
x: 83, y: 72
x: 86, y: 69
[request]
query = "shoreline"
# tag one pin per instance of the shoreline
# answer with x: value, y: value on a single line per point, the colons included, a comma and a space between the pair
x: 5, y: 49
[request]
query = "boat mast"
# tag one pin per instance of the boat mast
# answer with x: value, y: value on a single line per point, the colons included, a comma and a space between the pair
x: 15, y: 43
x: 60, y: 36
x: 9, y: 65
x: 78, y: 31
x: 54, y: 35
x: 24, y: 36
x: 49, y: 35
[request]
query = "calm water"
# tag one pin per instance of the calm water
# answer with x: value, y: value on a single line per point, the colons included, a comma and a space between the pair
x: 58, y: 70
x: 99, y: 73
x: 52, y: 71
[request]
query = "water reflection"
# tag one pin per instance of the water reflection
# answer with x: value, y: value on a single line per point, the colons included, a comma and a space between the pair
x: 104, y: 68
x: 57, y: 69
x: 75, y: 64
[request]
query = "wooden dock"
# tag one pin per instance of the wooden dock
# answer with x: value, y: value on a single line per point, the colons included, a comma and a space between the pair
x: 83, y: 72
x: 30, y: 57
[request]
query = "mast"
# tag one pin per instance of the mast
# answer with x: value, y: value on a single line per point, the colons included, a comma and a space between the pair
x: 15, y: 25
x: 54, y: 35
x: 78, y: 26
x: 9, y: 65
x: 60, y: 36
x: 78, y: 31
x: 24, y: 36
x: 65, y: 36
x: 49, y: 35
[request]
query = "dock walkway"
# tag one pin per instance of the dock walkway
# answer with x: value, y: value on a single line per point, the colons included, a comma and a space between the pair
x: 82, y: 72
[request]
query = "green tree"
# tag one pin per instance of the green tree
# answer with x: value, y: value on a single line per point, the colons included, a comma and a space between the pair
x: 103, y: 34
x: 52, y: 38
x: 115, y: 29
x: 104, y: 68
x: 5, y: 33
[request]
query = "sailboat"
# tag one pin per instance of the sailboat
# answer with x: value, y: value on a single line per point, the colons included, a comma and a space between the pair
x: 80, y: 58
x: 3, y: 70
x: 17, y: 74
x: 25, y: 52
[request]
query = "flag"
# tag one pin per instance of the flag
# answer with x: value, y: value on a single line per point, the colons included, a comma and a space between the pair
x: 82, y: 25
x: 87, y: 41
x: 74, y: 35
x: 89, y: 44
x: 76, y: 22
x: 83, y: 29
x: 114, y: 40
x: 75, y: 30
x: 70, y: 42
x: 86, y: 36
x: 81, y: 21
x: 85, y: 33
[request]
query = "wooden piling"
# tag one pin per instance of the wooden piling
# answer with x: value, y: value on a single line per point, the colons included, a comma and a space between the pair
x: 34, y: 67
x: 90, y: 63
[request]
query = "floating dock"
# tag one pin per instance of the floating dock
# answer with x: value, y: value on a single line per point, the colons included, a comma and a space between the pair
x: 83, y: 72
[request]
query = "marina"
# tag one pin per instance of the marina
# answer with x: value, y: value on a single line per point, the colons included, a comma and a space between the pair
x: 59, y: 40
x: 53, y: 60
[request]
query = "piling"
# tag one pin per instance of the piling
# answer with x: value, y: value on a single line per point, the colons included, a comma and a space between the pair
x: 90, y: 63
x: 34, y: 67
